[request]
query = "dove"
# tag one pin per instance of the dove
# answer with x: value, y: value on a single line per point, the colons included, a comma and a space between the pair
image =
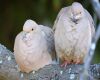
x: 73, y: 33
x: 34, y: 47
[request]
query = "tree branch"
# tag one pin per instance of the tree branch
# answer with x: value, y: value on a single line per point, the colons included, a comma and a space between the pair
x: 96, y: 6
x: 9, y: 71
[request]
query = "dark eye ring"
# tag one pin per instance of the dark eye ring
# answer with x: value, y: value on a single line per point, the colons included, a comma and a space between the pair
x: 32, y: 29
x: 80, y: 12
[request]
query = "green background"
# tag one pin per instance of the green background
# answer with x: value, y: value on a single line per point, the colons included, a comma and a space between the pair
x: 13, y: 14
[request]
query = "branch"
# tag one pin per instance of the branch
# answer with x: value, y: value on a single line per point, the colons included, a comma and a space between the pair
x: 88, y: 58
x: 9, y: 71
x: 96, y: 6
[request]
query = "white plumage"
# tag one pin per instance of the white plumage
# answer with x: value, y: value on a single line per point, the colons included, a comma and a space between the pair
x: 74, y: 30
x: 33, y: 49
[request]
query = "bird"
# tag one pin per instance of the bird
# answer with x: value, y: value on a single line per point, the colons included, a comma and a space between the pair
x: 34, y: 47
x: 73, y: 33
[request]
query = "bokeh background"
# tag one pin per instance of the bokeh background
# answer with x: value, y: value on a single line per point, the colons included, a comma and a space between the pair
x: 13, y: 14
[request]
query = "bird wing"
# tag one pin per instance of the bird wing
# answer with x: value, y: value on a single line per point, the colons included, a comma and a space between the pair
x: 49, y: 36
x: 91, y: 23
x: 62, y: 11
x: 58, y: 16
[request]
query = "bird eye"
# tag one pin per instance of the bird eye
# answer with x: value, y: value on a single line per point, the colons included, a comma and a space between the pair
x: 80, y: 12
x: 32, y: 29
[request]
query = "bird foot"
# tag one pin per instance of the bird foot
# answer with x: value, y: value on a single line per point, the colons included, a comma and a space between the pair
x: 78, y: 62
x: 65, y: 64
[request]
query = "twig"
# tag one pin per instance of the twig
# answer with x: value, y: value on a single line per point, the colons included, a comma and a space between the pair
x: 88, y: 58
x: 96, y: 6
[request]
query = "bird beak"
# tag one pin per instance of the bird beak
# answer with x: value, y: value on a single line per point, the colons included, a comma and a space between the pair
x: 76, y: 17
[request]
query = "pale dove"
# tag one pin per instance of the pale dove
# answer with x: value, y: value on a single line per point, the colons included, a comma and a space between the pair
x: 34, y: 47
x: 74, y: 29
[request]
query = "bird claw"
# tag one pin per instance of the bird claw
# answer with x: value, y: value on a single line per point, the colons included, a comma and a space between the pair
x: 65, y: 64
x: 78, y: 62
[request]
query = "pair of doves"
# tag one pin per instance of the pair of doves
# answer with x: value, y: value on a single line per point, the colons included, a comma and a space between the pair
x: 69, y: 41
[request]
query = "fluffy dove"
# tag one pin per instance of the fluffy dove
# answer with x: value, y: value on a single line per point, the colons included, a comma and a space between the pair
x: 74, y: 29
x: 34, y: 47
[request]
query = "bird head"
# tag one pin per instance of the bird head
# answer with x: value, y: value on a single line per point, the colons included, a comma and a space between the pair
x: 30, y: 25
x: 77, y: 11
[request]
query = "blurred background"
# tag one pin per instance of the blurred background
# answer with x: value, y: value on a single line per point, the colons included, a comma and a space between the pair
x: 13, y: 14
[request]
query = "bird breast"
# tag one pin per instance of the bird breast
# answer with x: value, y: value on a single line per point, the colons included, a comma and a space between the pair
x: 70, y: 34
x: 31, y: 45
